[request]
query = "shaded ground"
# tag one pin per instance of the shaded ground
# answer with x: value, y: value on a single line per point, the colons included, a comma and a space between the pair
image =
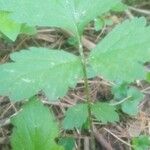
x: 116, y: 136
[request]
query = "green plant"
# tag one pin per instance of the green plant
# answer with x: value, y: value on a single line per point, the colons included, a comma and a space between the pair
x: 11, y: 29
x: 141, y: 143
x: 119, y: 57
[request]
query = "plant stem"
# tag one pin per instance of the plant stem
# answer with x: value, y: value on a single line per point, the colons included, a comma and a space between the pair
x: 87, y: 93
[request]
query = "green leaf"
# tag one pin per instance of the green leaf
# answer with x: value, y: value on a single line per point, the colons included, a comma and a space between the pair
x: 72, y: 41
x: 121, y: 54
x: 141, y: 143
x: 119, y: 7
x: 120, y: 91
x: 30, y: 30
x: 99, y: 24
x: 8, y: 27
x: 67, y: 143
x: 34, y: 128
x: 105, y: 113
x: 11, y: 29
x: 148, y: 77
x: 39, y: 69
x: 130, y: 106
x: 75, y: 116
x: 71, y: 15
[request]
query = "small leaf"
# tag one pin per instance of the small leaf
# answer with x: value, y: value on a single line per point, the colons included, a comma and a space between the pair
x: 120, y: 91
x: 8, y: 27
x: 120, y: 7
x: 39, y: 69
x: 141, y: 143
x: 67, y: 143
x: 121, y: 54
x: 99, y: 24
x: 71, y: 15
x: 34, y: 128
x: 72, y: 41
x: 148, y: 77
x: 75, y: 116
x: 131, y: 105
x: 28, y: 30
x: 105, y: 113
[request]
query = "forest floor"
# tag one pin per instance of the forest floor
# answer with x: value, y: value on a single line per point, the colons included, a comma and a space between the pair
x: 108, y: 137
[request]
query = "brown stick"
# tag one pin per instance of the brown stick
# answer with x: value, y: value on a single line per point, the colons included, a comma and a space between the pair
x: 102, y: 140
